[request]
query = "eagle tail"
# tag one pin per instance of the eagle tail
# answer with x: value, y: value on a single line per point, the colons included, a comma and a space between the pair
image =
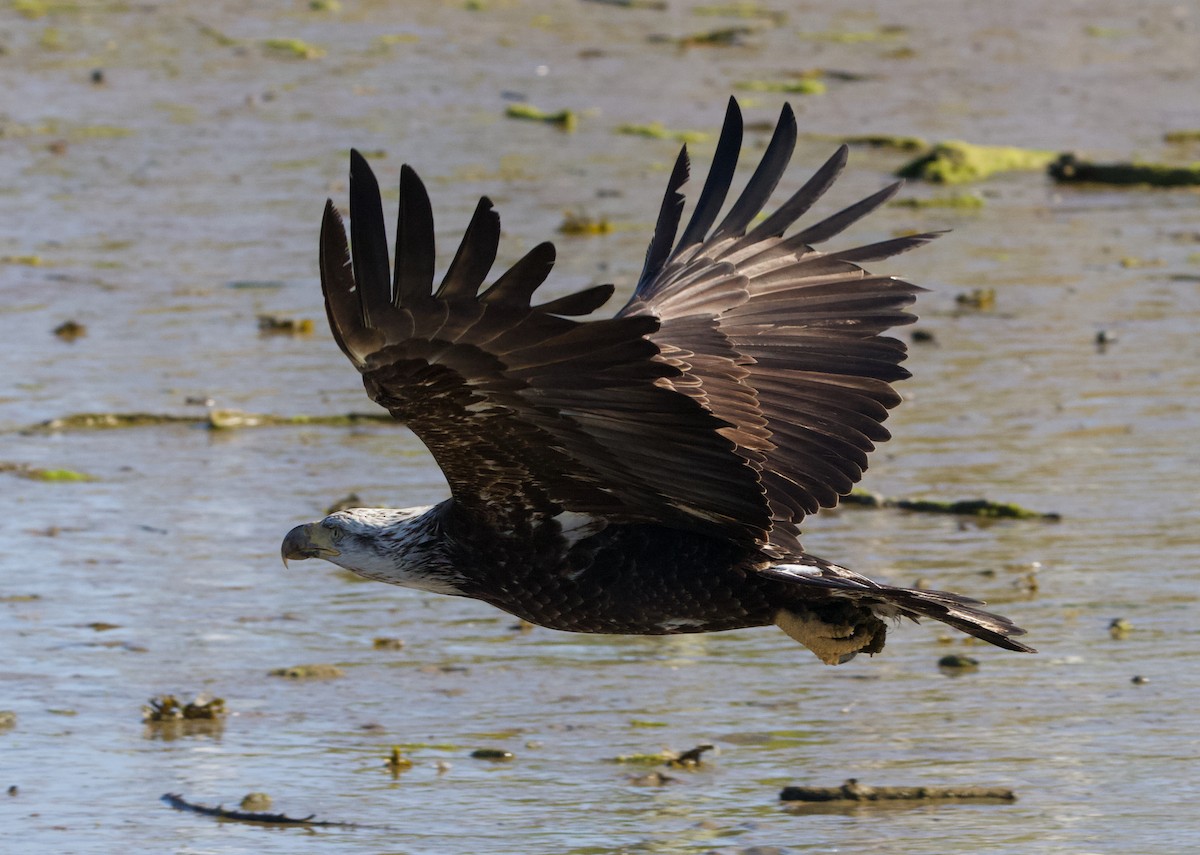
x: 838, y: 613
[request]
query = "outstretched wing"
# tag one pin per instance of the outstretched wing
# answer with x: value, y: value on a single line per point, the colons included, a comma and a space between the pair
x: 780, y: 341
x: 526, y: 410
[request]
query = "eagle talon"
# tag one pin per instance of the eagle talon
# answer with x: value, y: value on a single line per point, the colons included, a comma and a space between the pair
x: 832, y: 644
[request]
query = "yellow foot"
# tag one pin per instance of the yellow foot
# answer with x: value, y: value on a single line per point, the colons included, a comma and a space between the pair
x: 833, y: 644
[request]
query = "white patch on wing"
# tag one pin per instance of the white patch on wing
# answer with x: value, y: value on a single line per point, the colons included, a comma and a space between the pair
x: 798, y: 570
x: 575, y: 527
x: 680, y: 624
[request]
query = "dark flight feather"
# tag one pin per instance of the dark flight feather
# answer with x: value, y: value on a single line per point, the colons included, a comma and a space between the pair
x: 668, y: 220
x: 475, y: 257
x: 765, y: 178
x: 720, y: 177
x: 369, y: 248
x: 415, y: 252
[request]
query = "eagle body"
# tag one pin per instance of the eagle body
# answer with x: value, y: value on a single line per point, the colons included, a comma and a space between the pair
x: 630, y: 578
x: 645, y: 473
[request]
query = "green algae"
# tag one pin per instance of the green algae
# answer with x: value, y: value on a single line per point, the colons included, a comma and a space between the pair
x: 689, y: 759
x: 578, y: 225
x: 1068, y: 169
x: 958, y: 201
x: 977, y: 299
x: 567, y: 120
x: 957, y: 162
x: 216, y: 419
x: 278, y: 325
x: 656, y: 131
x: 742, y: 9
x: 214, y: 34
x: 852, y: 37
x: 721, y: 37
x: 293, y: 48
x: 655, y: 5
x: 983, y: 508
x: 898, y: 142
x: 800, y: 86
x: 36, y: 473
x: 397, y: 762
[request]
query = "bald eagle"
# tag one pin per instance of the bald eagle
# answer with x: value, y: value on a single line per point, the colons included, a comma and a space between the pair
x: 644, y: 473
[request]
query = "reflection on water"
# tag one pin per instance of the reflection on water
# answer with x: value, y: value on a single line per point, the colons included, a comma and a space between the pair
x: 142, y: 206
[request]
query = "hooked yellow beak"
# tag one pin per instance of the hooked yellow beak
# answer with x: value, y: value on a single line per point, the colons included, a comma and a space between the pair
x: 311, y: 540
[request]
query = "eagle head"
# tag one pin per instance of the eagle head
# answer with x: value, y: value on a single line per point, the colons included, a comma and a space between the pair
x: 402, y: 546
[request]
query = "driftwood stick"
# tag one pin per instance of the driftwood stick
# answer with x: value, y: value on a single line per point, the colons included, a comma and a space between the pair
x: 180, y: 803
x: 853, y: 791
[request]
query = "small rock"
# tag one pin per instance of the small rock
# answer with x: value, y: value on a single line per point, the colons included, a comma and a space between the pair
x: 256, y: 802
x: 70, y: 330
x: 318, y: 671
x: 652, y: 779
x: 496, y: 755
x: 956, y: 664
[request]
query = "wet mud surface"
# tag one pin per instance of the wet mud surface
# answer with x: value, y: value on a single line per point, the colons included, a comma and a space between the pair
x: 163, y: 167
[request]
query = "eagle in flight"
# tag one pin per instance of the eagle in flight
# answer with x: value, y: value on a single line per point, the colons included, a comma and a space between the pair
x: 644, y: 473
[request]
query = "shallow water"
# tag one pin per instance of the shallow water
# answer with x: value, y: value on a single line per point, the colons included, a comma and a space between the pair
x: 181, y: 198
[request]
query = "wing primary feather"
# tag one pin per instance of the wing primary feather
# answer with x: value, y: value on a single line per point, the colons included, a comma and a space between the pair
x: 668, y: 221
x: 580, y: 303
x: 846, y: 217
x: 765, y: 178
x: 368, y: 239
x: 517, y: 284
x: 415, y: 247
x: 803, y: 199
x: 476, y: 255
x: 885, y: 248
x: 720, y: 177
x: 337, y: 280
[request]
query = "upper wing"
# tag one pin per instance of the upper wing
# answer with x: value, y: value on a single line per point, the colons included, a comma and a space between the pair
x: 524, y: 409
x: 782, y: 342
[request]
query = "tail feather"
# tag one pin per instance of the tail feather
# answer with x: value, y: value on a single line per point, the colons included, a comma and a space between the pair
x: 962, y: 613
x: 831, y: 582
